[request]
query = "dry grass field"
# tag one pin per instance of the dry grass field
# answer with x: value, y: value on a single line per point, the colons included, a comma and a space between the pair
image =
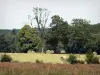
x: 23, y: 68
x: 48, y: 69
x: 46, y: 58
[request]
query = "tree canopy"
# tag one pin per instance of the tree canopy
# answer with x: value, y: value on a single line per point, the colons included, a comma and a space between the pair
x: 28, y: 39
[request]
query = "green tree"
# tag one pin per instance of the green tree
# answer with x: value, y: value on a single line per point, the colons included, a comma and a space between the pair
x: 80, y: 34
x: 11, y: 40
x: 28, y: 39
x: 97, y: 46
x: 58, y: 33
x: 3, y: 43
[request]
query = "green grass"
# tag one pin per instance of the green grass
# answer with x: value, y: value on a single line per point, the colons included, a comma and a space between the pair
x: 47, y: 58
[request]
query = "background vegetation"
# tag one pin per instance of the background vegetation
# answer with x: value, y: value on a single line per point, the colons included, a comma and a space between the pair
x: 77, y: 37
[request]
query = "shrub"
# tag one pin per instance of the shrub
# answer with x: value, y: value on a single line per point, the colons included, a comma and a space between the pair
x: 95, y: 60
x: 72, y: 59
x: 6, y: 58
x: 91, y: 58
x: 80, y: 62
x: 38, y: 61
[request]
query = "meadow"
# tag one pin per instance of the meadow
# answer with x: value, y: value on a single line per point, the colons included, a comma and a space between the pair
x: 48, y: 69
x: 25, y: 64
x: 46, y: 58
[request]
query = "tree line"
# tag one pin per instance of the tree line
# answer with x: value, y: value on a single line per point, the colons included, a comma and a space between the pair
x: 77, y: 37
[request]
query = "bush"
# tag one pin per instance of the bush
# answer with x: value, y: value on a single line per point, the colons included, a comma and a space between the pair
x: 6, y: 58
x: 38, y: 61
x: 95, y: 60
x: 80, y: 61
x: 72, y: 59
x: 91, y: 58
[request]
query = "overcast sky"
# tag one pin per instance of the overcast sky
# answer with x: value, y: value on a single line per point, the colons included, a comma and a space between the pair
x: 14, y: 13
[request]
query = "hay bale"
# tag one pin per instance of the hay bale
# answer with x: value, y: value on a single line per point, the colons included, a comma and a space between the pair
x: 48, y: 52
x: 52, y: 51
x: 29, y: 51
x: 62, y: 51
x: 63, y: 59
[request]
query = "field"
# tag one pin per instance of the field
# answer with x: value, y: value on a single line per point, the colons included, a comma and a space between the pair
x: 46, y: 58
x: 48, y: 69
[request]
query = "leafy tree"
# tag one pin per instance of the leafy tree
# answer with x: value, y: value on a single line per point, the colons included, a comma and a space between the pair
x: 3, y: 43
x: 80, y: 34
x: 80, y: 22
x: 8, y: 41
x: 28, y: 39
x: 58, y: 33
x: 11, y: 39
x: 98, y: 46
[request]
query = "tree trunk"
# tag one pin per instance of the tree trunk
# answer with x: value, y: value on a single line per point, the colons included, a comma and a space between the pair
x: 43, y: 45
x: 42, y: 49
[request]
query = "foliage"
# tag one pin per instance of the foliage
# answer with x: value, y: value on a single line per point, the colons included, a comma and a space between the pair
x: 39, y: 61
x: 80, y: 35
x: 80, y: 62
x: 57, y: 36
x: 72, y: 59
x: 77, y: 37
x: 6, y: 58
x: 8, y: 40
x: 91, y: 59
x: 28, y: 39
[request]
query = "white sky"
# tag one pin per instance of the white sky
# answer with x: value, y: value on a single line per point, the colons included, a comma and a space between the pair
x: 14, y: 13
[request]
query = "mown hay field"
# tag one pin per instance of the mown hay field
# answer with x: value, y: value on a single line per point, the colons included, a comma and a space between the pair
x: 46, y: 58
x: 48, y: 69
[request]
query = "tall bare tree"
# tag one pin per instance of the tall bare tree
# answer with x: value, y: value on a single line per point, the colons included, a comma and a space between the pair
x: 31, y: 19
x: 41, y: 17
